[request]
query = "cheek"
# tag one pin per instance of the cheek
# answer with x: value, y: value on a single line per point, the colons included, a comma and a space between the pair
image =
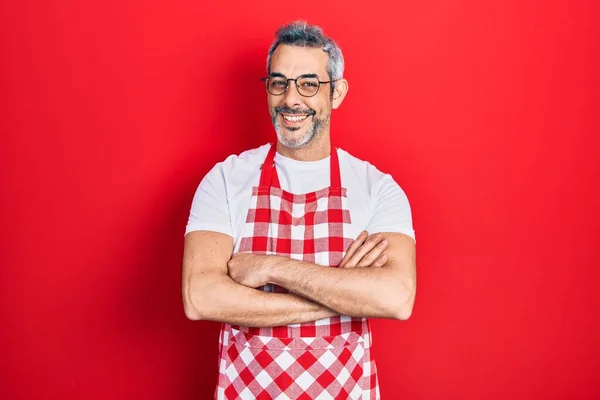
x: 321, y: 108
x: 323, y: 105
x: 272, y: 101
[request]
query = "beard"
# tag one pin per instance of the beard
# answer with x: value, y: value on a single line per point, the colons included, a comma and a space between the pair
x: 316, y: 127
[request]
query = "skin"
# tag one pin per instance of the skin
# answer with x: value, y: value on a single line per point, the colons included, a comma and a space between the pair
x: 376, y: 278
x: 210, y: 292
x: 292, y: 62
x: 384, y: 292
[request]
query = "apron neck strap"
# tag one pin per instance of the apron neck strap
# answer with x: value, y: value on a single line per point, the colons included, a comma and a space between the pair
x: 334, y: 170
x: 269, y: 177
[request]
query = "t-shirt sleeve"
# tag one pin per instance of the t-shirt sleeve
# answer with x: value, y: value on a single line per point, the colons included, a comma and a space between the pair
x: 210, y: 208
x: 391, y: 210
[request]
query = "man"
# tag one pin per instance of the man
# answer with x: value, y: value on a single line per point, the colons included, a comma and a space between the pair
x: 283, y: 219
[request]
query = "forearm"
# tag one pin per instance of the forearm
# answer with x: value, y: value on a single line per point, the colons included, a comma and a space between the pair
x: 360, y: 292
x: 218, y: 298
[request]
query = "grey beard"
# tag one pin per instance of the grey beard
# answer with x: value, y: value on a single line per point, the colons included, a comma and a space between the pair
x: 315, y: 129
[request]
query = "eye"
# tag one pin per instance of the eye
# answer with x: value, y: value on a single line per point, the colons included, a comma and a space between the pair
x: 278, y: 83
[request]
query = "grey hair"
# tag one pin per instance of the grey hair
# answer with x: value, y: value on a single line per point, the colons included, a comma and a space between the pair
x: 301, y: 34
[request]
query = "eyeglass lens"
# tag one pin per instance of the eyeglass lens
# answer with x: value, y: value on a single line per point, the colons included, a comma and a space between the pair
x: 306, y: 86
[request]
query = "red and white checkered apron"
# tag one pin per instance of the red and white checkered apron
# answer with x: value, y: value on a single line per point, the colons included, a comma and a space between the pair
x: 325, y: 359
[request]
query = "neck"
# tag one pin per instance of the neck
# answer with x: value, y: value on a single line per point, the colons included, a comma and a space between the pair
x: 318, y: 149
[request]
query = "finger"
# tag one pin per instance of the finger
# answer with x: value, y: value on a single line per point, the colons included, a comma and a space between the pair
x: 380, y: 262
x: 374, y: 254
x: 360, y: 240
x: 367, y: 246
x: 353, y: 247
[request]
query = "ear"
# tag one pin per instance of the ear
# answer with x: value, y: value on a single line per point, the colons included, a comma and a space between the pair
x: 339, y: 93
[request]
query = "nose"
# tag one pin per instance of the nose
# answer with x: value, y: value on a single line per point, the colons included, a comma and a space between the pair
x: 291, y: 97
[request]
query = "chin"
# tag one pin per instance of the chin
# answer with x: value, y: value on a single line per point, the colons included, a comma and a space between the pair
x: 294, y: 141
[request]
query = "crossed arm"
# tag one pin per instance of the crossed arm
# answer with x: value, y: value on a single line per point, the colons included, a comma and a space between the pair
x: 219, y: 287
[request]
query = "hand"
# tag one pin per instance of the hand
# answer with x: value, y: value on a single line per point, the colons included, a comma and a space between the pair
x: 249, y: 269
x: 366, y: 251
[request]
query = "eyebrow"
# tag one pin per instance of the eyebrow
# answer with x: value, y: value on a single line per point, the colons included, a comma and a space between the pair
x: 280, y: 75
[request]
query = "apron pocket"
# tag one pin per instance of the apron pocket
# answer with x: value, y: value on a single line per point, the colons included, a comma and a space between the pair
x: 296, y: 366
x: 259, y: 366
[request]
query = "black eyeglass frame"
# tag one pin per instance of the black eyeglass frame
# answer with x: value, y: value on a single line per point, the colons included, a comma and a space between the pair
x: 287, y: 81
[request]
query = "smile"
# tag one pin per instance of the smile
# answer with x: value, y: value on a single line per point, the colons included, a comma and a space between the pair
x: 294, y: 118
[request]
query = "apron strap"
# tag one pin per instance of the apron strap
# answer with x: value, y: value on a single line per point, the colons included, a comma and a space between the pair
x: 269, y: 177
x: 334, y: 169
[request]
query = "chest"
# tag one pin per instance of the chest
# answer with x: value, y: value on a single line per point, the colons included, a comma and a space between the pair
x: 356, y: 203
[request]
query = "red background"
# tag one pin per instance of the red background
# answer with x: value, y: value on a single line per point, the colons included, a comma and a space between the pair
x: 486, y: 113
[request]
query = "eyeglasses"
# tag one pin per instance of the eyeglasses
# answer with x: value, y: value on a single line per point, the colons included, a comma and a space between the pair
x: 307, y: 85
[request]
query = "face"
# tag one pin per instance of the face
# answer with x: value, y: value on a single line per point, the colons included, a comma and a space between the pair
x: 298, y: 119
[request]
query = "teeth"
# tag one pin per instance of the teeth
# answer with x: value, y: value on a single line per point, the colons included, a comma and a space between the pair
x: 293, y: 118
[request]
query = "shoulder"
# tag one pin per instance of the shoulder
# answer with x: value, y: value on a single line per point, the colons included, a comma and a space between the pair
x: 236, y: 173
x: 238, y: 168
x: 367, y: 173
x: 388, y: 206
x: 245, y: 160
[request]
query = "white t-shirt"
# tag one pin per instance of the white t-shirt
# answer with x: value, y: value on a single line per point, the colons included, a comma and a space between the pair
x: 376, y: 201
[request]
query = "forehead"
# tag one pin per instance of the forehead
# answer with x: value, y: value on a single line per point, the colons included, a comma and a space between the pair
x: 293, y: 61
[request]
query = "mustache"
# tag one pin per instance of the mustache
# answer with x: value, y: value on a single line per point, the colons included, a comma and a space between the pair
x: 294, y: 111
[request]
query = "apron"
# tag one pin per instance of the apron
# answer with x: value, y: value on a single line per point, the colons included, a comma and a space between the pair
x: 325, y: 359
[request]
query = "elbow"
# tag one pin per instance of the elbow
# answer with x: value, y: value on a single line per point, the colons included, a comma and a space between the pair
x: 189, y: 308
x: 203, y: 297
x: 190, y: 311
x: 403, y: 313
x: 194, y: 306
x: 400, y: 309
x: 403, y: 306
